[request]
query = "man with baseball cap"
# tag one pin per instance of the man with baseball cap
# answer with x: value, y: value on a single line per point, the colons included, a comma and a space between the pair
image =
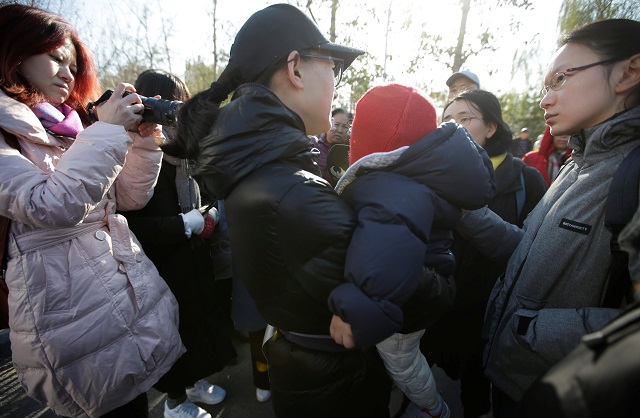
x: 290, y: 230
x: 462, y: 81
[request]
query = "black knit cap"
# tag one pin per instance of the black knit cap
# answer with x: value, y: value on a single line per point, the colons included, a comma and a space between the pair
x: 273, y: 32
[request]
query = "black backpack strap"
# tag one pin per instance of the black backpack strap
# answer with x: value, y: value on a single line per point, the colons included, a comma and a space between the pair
x: 621, y: 205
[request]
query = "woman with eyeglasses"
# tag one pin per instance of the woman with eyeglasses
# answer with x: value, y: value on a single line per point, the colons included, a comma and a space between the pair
x: 288, y: 229
x: 455, y: 343
x: 337, y: 134
x: 555, y: 289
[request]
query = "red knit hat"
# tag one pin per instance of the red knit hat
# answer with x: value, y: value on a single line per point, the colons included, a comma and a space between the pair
x: 388, y: 117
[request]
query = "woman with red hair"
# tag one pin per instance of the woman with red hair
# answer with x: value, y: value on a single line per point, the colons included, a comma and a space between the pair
x: 93, y: 325
x: 553, y: 152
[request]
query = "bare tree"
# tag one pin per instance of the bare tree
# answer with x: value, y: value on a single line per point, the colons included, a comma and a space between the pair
x: 455, y: 57
x: 167, y: 28
x: 575, y: 13
x: 214, y: 22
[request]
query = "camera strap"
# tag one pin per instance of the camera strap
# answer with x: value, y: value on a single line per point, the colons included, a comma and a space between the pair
x: 92, y: 105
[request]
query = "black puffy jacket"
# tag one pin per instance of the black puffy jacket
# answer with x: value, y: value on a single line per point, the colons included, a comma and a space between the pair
x: 288, y: 228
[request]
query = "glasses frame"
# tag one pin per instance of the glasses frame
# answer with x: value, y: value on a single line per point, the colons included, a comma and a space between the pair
x: 338, y: 64
x: 467, y: 121
x: 557, y: 86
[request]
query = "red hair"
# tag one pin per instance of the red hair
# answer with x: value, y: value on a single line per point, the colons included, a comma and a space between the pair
x: 26, y: 31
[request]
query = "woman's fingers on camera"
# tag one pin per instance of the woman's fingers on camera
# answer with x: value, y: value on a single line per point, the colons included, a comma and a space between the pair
x: 150, y: 129
x: 123, y: 108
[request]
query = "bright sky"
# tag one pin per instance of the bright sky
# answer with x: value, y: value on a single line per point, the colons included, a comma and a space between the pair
x: 191, y: 34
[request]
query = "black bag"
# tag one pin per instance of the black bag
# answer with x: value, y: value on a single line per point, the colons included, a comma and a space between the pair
x: 599, y: 378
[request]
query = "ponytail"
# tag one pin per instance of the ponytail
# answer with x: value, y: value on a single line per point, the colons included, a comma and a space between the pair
x: 198, y: 114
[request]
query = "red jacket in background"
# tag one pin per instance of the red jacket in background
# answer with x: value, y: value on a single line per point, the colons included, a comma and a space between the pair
x: 540, y: 159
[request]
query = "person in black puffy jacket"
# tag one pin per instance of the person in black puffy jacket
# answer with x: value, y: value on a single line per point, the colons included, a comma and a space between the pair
x: 288, y: 228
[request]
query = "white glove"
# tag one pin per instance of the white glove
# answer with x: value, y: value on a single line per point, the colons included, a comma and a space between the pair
x: 214, y: 213
x: 193, y: 222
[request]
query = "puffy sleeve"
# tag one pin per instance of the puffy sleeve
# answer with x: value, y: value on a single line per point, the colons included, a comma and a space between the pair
x: 62, y: 197
x: 134, y: 185
x: 386, y: 256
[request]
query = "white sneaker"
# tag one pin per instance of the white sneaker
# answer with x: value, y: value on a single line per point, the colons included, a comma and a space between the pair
x: 205, y: 392
x: 263, y: 395
x: 185, y: 410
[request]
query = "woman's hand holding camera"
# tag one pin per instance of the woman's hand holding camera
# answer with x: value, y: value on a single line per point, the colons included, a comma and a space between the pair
x: 125, y: 111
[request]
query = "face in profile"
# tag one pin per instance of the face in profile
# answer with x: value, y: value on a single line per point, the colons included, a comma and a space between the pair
x: 52, y: 73
x: 319, y: 80
x: 576, y: 100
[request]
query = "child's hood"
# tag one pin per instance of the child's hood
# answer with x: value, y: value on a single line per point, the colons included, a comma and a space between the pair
x: 447, y: 160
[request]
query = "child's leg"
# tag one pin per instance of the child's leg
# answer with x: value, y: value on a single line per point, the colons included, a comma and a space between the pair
x: 409, y: 368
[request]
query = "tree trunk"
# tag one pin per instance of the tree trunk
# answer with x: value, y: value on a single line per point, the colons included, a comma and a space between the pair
x: 457, y: 59
x: 334, y: 10
x: 215, y: 42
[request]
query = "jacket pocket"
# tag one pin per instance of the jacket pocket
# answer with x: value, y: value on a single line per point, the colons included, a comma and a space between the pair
x: 57, y: 296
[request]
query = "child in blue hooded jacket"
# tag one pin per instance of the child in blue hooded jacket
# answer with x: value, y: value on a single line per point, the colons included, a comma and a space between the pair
x: 408, y: 182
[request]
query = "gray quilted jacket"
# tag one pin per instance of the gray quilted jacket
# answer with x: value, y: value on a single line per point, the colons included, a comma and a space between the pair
x: 557, y: 273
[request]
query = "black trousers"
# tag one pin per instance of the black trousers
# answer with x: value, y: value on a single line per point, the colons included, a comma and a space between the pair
x: 137, y: 408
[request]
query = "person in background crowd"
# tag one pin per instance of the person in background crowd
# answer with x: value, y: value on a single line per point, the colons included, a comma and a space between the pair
x: 536, y: 144
x: 340, y: 127
x: 288, y: 228
x: 401, y: 246
x: 555, y: 287
x: 454, y: 343
x: 462, y: 81
x: 93, y: 325
x: 522, y: 144
x: 173, y: 232
x: 553, y: 152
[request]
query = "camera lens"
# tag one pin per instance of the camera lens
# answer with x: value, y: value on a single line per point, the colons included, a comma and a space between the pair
x: 164, y: 112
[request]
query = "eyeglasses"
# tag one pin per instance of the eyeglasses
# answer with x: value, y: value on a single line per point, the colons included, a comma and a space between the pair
x: 338, y: 64
x: 466, y: 120
x: 558, y: 79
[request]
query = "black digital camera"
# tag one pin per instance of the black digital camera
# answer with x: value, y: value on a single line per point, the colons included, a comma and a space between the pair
x: 164, y: 112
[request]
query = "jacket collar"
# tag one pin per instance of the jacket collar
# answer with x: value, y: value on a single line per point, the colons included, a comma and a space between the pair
x: 589, y: 144
x: 253, y: 130
x: 18, y: 119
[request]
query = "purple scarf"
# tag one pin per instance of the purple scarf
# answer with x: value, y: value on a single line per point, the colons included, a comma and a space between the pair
x: 61, y: 120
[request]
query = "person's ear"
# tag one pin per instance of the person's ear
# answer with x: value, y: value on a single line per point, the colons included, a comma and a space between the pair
x: 492, y: 128
x: 630, y: 77
x: 293, y: 69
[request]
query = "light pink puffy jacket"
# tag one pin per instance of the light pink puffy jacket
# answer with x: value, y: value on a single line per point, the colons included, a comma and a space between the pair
x: 93, y: 325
